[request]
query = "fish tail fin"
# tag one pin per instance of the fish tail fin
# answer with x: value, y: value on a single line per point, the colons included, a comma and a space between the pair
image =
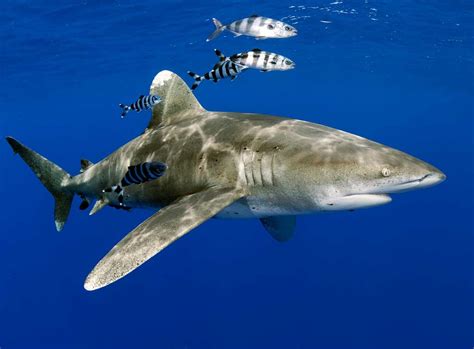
x: 221, y: 56
x: 197, y: 79
x: 125, y: 110
x: 219, y: 29
x: 54, y: 178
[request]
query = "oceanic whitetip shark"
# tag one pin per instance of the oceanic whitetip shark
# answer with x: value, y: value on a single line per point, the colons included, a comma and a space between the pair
x: 228, y: 165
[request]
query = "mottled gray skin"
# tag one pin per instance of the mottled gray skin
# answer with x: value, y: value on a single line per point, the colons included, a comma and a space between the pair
x: 286, y: 166
x: 232, y: 165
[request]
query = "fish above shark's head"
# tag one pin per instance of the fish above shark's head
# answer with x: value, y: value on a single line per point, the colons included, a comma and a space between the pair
x: 349, y: 172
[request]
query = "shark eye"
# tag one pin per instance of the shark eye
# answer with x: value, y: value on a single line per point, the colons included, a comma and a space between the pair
x: 386, y: 172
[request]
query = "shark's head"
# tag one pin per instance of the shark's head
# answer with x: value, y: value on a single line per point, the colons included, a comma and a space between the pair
x: 394, y: 172
x: 367, y: 177
x: 343, y: 171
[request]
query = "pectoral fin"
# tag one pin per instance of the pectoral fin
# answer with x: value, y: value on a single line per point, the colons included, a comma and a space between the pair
x: 158, y: 231
x: 281, y: 228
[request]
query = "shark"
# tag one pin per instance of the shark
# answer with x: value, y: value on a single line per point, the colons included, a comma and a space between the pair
x: 226, y: 165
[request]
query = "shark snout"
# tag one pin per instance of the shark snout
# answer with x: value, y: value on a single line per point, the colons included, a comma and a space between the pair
x: 431, y: 179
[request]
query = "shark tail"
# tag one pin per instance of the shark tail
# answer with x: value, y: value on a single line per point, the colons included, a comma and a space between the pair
x: 53, y: 178
x: 219, y: 29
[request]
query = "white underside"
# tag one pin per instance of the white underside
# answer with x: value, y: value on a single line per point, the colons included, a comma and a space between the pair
x: 253, y: 208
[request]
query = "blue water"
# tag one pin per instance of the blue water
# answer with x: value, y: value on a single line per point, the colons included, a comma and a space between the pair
x: 396, y: 276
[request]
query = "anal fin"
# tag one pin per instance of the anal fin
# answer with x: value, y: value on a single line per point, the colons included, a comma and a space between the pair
x: 281, y: 228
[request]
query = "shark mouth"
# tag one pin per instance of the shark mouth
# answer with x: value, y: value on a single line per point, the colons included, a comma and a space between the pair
x: 381, y: 197
x: 423, y: 182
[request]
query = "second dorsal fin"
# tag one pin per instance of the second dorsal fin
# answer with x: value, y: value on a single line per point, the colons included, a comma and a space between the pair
x: 177, y: 100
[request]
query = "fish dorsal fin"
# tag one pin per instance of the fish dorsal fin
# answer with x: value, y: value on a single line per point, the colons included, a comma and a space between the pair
x: 177, y: 101
x: 85, y: 164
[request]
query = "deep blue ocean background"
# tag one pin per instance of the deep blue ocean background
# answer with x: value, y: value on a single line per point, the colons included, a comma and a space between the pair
x: 396, y: 276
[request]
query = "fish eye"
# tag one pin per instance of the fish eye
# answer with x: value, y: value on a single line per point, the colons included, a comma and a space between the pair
x: 287, y: 28
x: 288, y: 62
x: 271, y: 26
x: 386, y: 172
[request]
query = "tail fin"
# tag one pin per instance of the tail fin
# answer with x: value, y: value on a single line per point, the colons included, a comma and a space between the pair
x: 125, y: 110
x: 219, y: 29
x: 221, y: 56
x: 197, y: 79
x: 52, y: 176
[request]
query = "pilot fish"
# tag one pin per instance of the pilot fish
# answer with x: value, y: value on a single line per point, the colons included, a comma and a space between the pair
x: 263, y: 60
x: 222, y: 69
x: 256, y: 26
x: 138, y: 174
x: 142, y: 103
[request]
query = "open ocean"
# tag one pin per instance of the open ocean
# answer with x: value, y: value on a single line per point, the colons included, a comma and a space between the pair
x: 397, y: 276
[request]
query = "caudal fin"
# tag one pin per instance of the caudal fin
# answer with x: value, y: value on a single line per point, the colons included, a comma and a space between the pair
x: 197, y: 79
x: 221, y: 56
x: 125, y: 110
x: 53, y: 178
x: 219, y: 29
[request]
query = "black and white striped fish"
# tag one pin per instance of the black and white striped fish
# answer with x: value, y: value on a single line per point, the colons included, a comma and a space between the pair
x: 138, y: 174
x: 225, y: 68
x: 256, y: 26
x: 263, y: 60
x: 142, y: 103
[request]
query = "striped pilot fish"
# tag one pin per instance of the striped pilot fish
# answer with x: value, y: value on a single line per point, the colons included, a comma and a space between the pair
x: 138, y: 174
x: 256, y: 26
x: 225, y: 68
x: 142, y: 103
x: 263, y: 60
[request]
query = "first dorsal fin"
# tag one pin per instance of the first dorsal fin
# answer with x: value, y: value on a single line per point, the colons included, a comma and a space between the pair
x: 177, y: 101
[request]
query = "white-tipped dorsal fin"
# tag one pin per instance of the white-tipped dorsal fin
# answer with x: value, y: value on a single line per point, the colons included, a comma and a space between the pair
x: 177, y: 100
